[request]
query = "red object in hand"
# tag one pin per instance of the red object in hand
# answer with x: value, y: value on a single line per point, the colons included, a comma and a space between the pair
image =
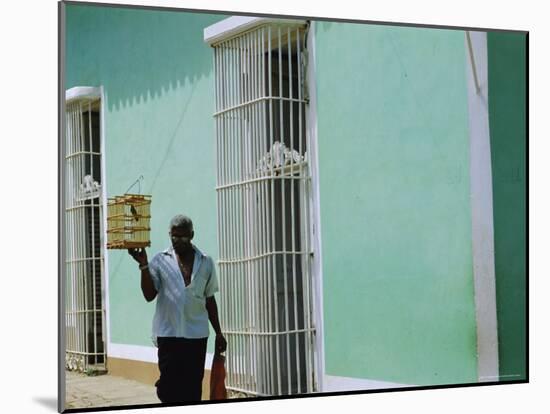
x: 217, y: 378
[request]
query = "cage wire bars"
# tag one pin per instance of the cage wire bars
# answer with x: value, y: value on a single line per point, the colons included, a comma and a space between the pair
x: 263, y: 194
x: 84, y: 310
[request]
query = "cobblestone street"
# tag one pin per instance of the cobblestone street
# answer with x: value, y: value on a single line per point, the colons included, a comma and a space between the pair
x: 85, y: 391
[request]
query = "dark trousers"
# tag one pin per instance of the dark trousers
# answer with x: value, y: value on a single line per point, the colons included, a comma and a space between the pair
x: 181, y: 365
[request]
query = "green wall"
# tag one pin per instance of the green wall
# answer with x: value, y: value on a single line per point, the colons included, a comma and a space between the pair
x: 395, y: 204
x: 507, y: 117
x: 394, y: 180
x: 158, y: 80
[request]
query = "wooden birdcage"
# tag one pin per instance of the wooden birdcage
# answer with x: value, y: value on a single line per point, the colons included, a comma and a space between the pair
x: 128, y: 221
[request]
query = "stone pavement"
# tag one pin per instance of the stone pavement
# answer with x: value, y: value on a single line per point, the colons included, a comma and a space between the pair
x: 84, y: 391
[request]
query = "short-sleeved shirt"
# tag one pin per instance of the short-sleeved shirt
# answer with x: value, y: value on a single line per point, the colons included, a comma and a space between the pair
x: 181, y: 310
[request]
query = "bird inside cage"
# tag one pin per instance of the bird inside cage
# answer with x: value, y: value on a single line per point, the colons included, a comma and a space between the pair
x: 134, y: 212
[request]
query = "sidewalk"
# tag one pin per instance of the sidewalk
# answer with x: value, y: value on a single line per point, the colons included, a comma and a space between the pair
x: 84, y: 391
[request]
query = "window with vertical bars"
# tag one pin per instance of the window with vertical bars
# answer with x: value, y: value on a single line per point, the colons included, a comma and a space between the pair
x: 84, y: 313
x: 263, y: 191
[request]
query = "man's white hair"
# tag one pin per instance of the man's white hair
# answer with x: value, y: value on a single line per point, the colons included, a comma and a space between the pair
x: 181, y: 221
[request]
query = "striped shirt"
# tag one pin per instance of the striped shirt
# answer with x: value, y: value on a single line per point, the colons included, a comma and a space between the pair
x: 181, y: 310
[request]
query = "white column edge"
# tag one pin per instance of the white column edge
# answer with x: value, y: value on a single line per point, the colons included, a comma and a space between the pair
x: 481, y: 193
x: 105, y: 293
x: 311, y: 119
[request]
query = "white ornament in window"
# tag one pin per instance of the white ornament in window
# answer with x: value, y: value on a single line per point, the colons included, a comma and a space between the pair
x: 280, y: 155
x: 89, y: 188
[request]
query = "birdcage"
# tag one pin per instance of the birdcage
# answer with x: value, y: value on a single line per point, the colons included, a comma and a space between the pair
x: 128, y: 221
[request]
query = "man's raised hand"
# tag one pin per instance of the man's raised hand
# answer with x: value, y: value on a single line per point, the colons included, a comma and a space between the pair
x: 139, y: 255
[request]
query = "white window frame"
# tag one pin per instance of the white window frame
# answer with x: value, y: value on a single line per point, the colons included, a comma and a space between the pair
x: 89, y: 94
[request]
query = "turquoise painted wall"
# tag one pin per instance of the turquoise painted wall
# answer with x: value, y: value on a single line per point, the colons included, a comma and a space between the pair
x: 158, y: 80
x: 395, y: 204
x: 394, y: 180
x: 508, y: 117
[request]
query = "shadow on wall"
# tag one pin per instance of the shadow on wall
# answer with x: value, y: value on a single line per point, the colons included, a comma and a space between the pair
x: 137, y: 54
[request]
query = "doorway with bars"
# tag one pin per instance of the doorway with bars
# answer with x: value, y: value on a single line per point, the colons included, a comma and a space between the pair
x: 264, y: 210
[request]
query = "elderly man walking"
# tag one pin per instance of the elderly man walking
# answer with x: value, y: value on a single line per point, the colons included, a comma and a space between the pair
x: 183, y: 280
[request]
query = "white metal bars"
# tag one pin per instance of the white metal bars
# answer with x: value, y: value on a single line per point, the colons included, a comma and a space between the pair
x: 83, y: 250
x: 263, y: 211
